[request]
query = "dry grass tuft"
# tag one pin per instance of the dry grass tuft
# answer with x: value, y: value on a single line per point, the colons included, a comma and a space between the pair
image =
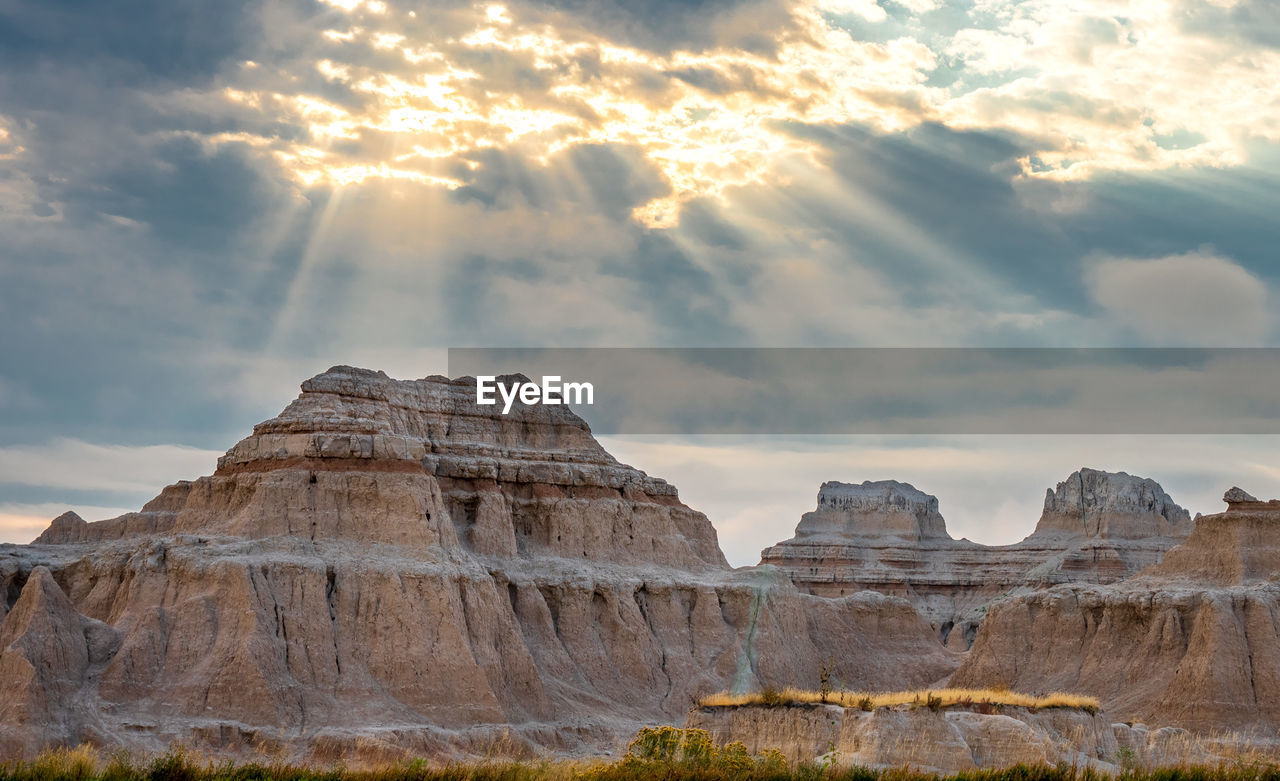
x: 931, y: 698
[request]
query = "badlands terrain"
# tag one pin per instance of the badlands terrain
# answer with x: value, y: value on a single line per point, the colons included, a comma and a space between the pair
x: 388, y: 568
x: 886, y: 536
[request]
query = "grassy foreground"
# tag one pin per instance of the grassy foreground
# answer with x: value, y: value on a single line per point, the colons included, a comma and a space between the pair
x: 665, y: 753
x: 932, y: 698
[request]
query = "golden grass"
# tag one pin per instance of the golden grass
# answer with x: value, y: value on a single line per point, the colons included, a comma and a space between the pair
x: 936, y: 698
x: 663, y: 754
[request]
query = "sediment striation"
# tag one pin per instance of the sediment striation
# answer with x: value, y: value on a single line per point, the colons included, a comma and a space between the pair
x: 945, y: 741
x: 388, y: 567
x: 886, y: 536
x: 959, y: 739
x: 1191, y: 642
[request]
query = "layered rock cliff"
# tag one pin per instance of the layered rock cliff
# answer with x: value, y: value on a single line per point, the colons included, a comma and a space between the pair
x: 1097, y: 527
x: 1192, y: 641
x: 886, y: 508
x: 387, y: 566
x: 1113, y: 506
x: 946, y: 741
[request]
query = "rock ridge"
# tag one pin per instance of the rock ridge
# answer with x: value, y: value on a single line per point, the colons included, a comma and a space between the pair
x: 1191, y: 641
x: 886, y: 536
x: 386, y: 567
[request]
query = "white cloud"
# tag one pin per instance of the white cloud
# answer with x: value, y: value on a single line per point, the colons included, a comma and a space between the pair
x: 988, y: 51
x: 1095, y: 85
x: 72, y: 464
x: 1197, y: 299
x: 918, y: 6
x: 867, y: 9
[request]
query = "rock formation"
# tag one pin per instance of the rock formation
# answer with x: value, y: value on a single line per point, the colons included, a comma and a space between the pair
x: 387, y: 566
x: 1111, y: 506
x: 960, y: 739
x: 886, y: 508
x: 1097, y: 527
x: 947, y: 741
x: 1192, y: 641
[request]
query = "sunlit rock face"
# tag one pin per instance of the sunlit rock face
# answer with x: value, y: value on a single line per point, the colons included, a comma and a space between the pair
x: 1191, y: 642
x: 1097, y: 527
x: 388, y: 567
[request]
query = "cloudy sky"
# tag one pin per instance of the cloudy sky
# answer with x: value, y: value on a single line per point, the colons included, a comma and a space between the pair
x: 202, y: 203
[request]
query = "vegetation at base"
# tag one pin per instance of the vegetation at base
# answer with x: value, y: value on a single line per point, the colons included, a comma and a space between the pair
x: 656, y: 754
x: 933, y: 699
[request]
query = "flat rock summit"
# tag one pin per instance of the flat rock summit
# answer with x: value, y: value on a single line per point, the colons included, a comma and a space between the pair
x: 388, y: 567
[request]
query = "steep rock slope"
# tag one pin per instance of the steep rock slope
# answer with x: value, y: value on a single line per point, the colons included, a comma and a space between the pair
x: 886, y: 536
x: 1193, y: 641
x: 388, y: 566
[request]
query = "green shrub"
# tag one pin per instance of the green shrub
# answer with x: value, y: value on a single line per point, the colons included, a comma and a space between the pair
x: 174, y: 765
x: 771, y: 697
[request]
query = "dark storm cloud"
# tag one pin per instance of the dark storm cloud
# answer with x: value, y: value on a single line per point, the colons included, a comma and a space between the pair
x: 677, y: 293
x: 617, y: 179
x: 1251, y: 21
x: 189, y: 196
x: 148, y: 267
x: 147, y: 270
x: 667, y: 25
x: 607, y: 179
x: 128, y: 41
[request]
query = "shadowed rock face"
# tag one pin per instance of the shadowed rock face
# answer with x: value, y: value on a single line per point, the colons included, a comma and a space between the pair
x: 1097, y: 527
x: 1191, y: 641
x: 386, y: 566
x: 48, y: 653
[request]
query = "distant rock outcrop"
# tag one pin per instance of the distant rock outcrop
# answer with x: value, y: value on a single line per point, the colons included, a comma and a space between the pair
x: 1192, y: 641
x: 67, y: 527
x: 886, y: 507
x: 1111, y: 505
x: 1237, y: 495
x: 1097, y: 527
x: 388, y: 567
